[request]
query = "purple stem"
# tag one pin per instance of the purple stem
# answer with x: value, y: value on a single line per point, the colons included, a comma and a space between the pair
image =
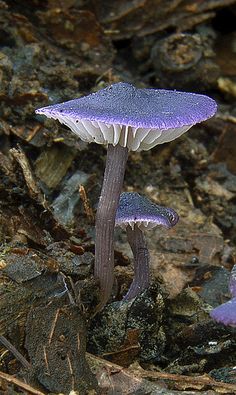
x: 138, y: 246
x: 105, y: 219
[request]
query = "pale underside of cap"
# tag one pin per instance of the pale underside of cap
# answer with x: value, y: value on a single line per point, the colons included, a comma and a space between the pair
x: 135, y: 139
x: 135, y: 118
x: 144, y: 224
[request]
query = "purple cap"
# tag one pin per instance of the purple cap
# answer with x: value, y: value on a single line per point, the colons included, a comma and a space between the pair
x: 136, y: 209
x: 225, y: 313
x: 136, y: 118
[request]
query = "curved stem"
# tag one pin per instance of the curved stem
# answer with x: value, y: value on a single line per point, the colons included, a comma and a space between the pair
x: 105, y: 219
x: 141, y: 261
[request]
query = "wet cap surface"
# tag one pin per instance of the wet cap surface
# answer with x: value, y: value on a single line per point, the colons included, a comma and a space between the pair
x: 124, y: 104
x: 136, y: 209
x: 225, y: 313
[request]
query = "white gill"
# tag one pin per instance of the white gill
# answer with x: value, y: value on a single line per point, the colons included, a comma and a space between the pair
x: 136, y: 139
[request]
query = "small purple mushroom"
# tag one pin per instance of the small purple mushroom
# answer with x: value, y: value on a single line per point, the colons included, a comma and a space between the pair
x: 136, y: 213
x: 226, y: 312
x: 125, y: 119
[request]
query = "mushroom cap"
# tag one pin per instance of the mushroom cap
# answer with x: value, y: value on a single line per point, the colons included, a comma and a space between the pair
x: 225, y: 313
x: 136, y: 118
x: 136, y: 209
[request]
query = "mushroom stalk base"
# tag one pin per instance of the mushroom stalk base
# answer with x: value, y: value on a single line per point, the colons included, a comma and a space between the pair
x: 139, y: 248
x: 105, y: 219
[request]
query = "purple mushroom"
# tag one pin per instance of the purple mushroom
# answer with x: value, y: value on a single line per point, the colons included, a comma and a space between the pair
x: 136, y: 213
x: 226, y: 312
x: 125, y: 119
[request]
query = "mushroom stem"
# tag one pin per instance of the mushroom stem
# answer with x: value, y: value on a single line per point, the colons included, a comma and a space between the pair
x: 139, y: 248
x: 105, y: 219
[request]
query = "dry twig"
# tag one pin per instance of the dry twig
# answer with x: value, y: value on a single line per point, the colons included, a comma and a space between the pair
x: 20, y: 384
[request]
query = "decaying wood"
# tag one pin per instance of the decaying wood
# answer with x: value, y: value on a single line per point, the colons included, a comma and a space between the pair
x: 86, y: 203
x: 19, y: 384
x: 62, y: 51
x: 34, y: 191
x: 15, y: 352
x: 55, y: 340
x: 124, y: 19
x: 121, y: 379
x: 52, y: 165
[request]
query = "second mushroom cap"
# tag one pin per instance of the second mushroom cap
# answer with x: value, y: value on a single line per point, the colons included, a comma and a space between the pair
x: 136, y: 209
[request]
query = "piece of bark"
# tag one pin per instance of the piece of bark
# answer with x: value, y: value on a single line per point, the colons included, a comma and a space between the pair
x: 174, y: 260
x: 226, y: 56
x: 24, y: 264
x: 34, y: 191
x: 185, y: 61
x: 47, y: 56
x: 212, y: 284
x: 34, y: 134
x: 64, y: 205
x: 21, y: 385
x: 16, y: 299
x: 226, y: 148
x: 125, y: 19
x: 114, y: 379
x: 80, y: 32
x: 52, y: 164
x: 55, y: 340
